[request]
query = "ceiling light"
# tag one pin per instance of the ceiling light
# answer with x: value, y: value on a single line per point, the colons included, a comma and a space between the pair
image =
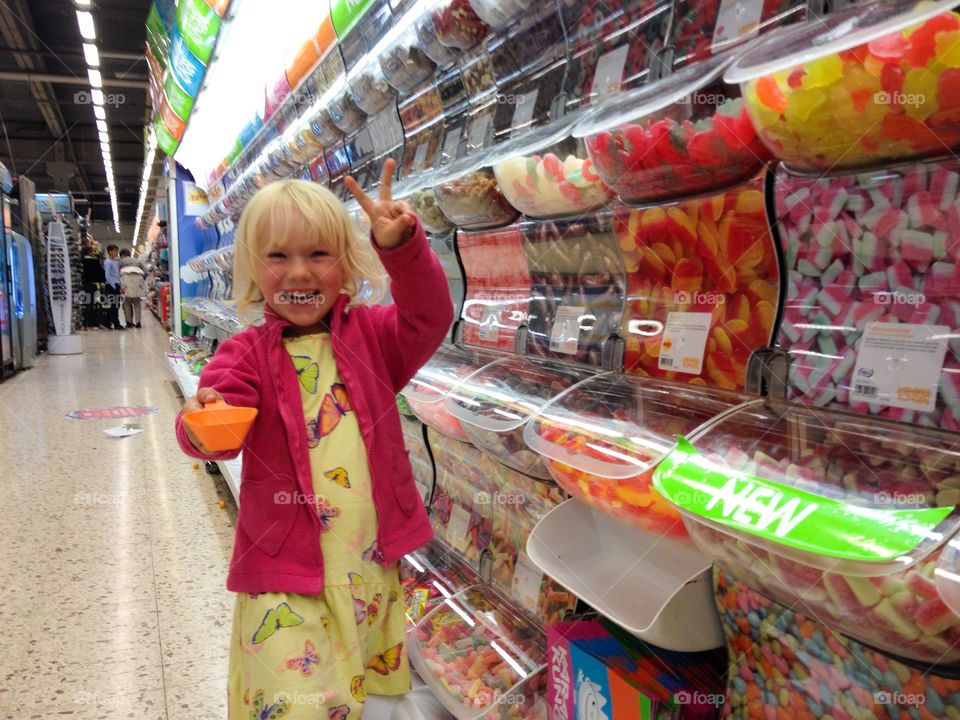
x: 104, y: 137
x: 85, y: 21
x: 102, y: 125
x: 99, y: 113
x: 91, y: 55
x: 82, y: 3
x: 97, y: 96
x: 96, y: 79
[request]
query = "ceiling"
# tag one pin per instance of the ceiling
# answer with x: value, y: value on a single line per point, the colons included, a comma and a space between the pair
x: 48, y: 131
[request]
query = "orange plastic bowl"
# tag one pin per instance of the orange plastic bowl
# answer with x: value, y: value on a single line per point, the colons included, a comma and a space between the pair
x: 220, y: 426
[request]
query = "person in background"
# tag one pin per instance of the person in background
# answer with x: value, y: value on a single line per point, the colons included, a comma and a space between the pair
x: 133, y: 287
x: 111, y: 269
x: 93, y: 277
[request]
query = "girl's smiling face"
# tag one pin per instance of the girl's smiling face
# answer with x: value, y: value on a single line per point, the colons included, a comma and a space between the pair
x: 301, y: 282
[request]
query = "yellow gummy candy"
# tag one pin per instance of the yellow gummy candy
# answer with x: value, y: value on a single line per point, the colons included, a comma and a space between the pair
x: 802, y: 104
x: 920, y: 94
x: 750, y: 201
x: 822, y: 72
x: 948, y: 48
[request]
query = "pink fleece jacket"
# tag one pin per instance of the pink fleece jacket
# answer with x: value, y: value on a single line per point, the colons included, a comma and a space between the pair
x: 377, y: 350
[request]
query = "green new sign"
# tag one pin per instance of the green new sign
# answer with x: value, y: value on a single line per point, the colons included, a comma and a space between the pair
x: 199, y: 25
x: 790, y: 516
x: 345, y: 13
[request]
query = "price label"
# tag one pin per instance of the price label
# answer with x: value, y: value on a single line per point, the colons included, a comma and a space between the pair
x: 490, y: 324
x: 737, y: 19
x: 451, y: 142
x: 609, y: 73
x: 565, y: 334
x: 458, y: 529
x: 479, y: 129
x: 899, y: 365
x: 525, y: 105
x: 420, y: 157
x: 684, y: 342
x: 527, y: 581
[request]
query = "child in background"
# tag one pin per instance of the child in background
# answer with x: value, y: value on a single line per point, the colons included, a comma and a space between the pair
x: 133, y: 285
x: 328, y: 502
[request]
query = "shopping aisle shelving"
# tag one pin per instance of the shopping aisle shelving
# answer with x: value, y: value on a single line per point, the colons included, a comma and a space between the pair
x: 114, y: 552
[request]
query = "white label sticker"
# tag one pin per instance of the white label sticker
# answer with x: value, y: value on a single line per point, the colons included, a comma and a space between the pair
x: 458, y: 529
x: 684, y: 341
x: 737, y: 19
x: 523, y: 112
x: 899, y: 365
x: 478, y: 130
x: 565, y: 335
x: 489, y: 324
x: 527, y: 580
x: 609, y: 73
x: 420, y: 157
x: 452, y: 142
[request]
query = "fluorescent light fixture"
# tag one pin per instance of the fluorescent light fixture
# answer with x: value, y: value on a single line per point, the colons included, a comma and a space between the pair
x: 91, y: 55
x: 97, y: 96
x: 102, y: 125
x: 96, y: 79
x: 82, y: 3
x: 85, y: 21
x: 104, y: 137
x: 99, y: 113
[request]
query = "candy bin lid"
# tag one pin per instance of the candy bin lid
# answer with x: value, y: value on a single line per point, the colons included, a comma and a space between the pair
x: 618, y: 426
x: 833, y: 491
x: 368, y: 87
x: 819, y: 37
x: 625, y: 107
x: 479, y: 636
x: 442, y: 373
x: 496, y: 401
x: 535, y: 40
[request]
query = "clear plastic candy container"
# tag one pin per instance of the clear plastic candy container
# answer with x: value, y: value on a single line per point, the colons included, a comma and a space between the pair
x: 498, y: 13
x: 430, y: 42
x: 686, y: 135
x: 370, y: 90
x: 870, y: 85
x: 457, y: 25
x: 425, y: 205
x: 345, y: 114
x: 474, y: 200
x: 404, y: 63
x: 551, y: 182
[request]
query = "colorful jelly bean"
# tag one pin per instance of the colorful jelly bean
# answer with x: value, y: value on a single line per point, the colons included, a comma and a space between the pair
x: 784, y: 663
x: 892, y: 98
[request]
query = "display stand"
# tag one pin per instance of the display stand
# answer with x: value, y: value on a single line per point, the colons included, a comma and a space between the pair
x: 59, y: 280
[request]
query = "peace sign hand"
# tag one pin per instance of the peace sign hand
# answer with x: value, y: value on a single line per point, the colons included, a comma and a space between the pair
x: 392, y: 222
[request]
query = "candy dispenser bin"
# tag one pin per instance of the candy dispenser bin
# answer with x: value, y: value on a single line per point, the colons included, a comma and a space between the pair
x: 420, y: 149
x: 369, y: 88
x: 870, y: 261
x: 841, y: 517
x: 460, y: 515
x: 415, y: 439
x: 703, y: 287
x: 552, y: 177
x: 404, y: 63
x: 443, y: 246
x: 429, y: 575
x: 612, y: 46
x: 858, y: 88
x: 498, y: 14
x: 601, y: 440
x: 686, y: 135
x: 578, y: 289
x: 473, y: 650
x: 444, y: 371
x: 456, y: 24
x: 702, y: 28
x: 495, y: 403
x: 498, y: 287
x: 470, y: 197
x: 424, y: 204
x: 345, y: 113
x: 528, y: 102
x: 535, y: 40
x: 783, y: 659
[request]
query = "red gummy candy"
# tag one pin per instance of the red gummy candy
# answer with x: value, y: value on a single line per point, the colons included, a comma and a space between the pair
x: 923, y: 42
x: 904, y: 127
x: 795, y: 80
x: 889, y: 48
x: 736, y: 132
x: 948, y: 88
x: 891, y: 79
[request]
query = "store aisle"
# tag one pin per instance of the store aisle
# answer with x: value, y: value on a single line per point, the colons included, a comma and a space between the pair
x: 113, y: 552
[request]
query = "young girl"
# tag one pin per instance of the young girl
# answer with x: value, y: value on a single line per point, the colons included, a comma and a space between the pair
x: 327, y: 499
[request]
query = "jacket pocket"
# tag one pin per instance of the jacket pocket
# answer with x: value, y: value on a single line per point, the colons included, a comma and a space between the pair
x: 268, y: 509
x: 404, y: 489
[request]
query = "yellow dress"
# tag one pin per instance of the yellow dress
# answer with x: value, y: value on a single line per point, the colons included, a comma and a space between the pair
x: 304, y: 657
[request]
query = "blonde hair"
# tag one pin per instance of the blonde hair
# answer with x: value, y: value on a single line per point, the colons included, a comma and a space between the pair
x: 301, y: 213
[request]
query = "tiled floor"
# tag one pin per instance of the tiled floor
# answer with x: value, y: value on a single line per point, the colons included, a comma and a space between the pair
x: 113, y: 552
